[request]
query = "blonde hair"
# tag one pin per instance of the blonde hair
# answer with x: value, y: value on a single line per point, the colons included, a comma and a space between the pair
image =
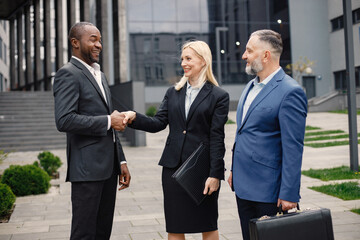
x: 203, y: 51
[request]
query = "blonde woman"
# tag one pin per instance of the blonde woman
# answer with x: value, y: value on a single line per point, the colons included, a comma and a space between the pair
x: 196, y: 111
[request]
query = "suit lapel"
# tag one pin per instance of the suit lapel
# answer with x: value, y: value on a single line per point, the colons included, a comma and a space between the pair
x: 205, y: 90
x: 181, y: 101
x: 272, y: 84
x: 107, y: 92
x: 89, y: 76
x: 242, y: 99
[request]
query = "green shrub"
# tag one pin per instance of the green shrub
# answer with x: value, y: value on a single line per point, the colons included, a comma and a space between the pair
x: 7, y: 199
x: 26, y: 180
x: 151, y: 111
x: 49, y: 162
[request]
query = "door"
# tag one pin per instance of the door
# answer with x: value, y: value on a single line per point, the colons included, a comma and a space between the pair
x: 309, y: 85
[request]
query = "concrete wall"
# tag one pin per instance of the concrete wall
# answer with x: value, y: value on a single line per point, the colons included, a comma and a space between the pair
x: 130, y: 96
x: 337, y: 44
x: 309, y: 29
x: 334, y: 101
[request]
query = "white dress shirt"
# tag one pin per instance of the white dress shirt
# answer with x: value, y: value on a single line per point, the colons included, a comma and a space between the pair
x: 94, y: 69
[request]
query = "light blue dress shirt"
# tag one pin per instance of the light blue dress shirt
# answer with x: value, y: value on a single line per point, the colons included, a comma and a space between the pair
x: 191, y: 93
x: 255, y: 91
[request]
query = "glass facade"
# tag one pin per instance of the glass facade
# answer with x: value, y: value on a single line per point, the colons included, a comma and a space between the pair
x: 158, y: 28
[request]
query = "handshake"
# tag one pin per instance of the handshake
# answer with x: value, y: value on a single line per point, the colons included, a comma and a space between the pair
x: 119, y: 120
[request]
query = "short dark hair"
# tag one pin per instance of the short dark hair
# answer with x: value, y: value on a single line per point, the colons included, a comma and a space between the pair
x: 77, y: 28
x: 271, y: 37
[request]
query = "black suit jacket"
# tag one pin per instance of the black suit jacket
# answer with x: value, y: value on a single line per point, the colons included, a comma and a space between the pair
x: 205, y: 123
x: 81, y: 111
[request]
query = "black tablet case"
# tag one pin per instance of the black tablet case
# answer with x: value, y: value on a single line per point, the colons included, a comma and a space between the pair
x: 193, y: 173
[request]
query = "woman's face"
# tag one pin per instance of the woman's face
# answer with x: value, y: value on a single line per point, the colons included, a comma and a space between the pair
x: 191, y: 63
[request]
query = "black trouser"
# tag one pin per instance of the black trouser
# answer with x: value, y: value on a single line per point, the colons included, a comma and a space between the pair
x: 249, y: 209
x: 93, y: 209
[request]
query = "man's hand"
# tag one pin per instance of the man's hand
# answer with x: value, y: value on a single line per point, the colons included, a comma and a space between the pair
x: 129, y: 117
x: 211, y: 185
x: 125, y: 177
x: 230, y: 179
x: 286, y: 205
x: 117, y: 121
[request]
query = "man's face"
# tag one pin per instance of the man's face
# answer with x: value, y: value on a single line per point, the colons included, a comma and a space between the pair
x: 252, y: 56
x: 90, y: 44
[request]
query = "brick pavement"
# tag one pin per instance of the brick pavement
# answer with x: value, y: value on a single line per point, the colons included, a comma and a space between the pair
x: 139, y: 212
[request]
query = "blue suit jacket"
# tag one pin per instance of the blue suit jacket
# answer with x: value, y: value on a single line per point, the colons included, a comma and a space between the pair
x: 268, y: 147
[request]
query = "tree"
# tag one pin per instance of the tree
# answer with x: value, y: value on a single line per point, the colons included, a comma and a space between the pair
x: 300, y: 67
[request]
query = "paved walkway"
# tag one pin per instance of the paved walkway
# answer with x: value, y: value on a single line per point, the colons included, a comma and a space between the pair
x: 139, y: 212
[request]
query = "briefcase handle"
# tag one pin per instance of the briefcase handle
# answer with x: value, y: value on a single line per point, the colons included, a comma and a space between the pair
x: 286, y: 211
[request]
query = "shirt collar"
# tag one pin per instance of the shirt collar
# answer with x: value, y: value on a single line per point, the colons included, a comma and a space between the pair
x: 91, y: 67
x: 266, y: 80
x: 189, y: 87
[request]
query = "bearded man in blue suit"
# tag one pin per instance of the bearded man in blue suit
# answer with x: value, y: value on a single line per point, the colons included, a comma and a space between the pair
x: 269, y: 139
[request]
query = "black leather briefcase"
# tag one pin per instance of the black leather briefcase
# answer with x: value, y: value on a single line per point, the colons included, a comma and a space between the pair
x: 301, y: 225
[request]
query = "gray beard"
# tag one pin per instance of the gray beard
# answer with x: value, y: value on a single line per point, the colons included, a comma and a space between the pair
x: 254, y: 67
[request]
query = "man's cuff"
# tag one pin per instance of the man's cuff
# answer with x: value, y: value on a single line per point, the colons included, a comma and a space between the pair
x: 109, y: 122
x: 123, y: 162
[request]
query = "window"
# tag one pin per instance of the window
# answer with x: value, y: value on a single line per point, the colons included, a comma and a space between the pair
x: 1, y: 82
x: 147, y: 72
x: 356, y: 16
x: 337, y: 23
x: 340, y: 79
x: 156, y: 45
x: 159, y: 71
x: 5, y: 54
x: 1, y: 48
x: 178, y: 43
x: 147, y: 45
x: 280, y: 5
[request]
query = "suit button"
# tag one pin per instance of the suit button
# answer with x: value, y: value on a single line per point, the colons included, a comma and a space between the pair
x: 184, y: 132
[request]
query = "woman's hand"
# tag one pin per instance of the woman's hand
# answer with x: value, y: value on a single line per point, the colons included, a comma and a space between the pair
x: 129, y: 117
x: 211, y: 185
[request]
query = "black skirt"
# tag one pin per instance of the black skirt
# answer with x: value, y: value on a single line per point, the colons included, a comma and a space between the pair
x: 182, y: 215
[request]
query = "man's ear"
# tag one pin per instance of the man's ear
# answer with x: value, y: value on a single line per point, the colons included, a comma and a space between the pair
x: 74, y: 43
x: 267, y: 55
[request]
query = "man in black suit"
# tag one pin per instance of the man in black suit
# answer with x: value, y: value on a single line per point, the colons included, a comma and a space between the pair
x: 83, y: 109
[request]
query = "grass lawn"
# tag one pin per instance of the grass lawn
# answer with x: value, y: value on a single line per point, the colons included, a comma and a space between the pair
x: 229, y: 121
x: 345, y: 191
x: 356, y: 210
x: 327, y: 144
x: 327, y: 137
x: 323, y: 132
x: 345, y: 111
x: 311, y: 128
x: 328, y: 174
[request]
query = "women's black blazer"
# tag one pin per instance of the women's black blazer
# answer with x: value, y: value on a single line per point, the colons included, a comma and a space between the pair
x: 205, y: 123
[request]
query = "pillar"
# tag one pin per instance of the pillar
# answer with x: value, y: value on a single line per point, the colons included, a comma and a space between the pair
x: 29, y: 73
x: 59, y: 40
x: 37, y: 42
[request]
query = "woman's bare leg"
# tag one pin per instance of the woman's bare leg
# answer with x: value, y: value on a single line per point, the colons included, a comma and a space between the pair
x: 213, y: 235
